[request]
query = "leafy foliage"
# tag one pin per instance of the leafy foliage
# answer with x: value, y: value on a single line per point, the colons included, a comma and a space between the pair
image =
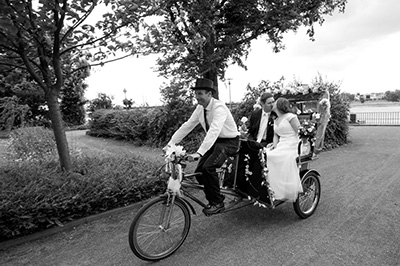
x: 35, y: 196
x: 143, y: 126
x: 393, y: 96
x: 12, y: 112
x: 31, y: 144
x: 103, y: 101
x: 246, y: 106
x: 337, y: 131
x: 151, y: 126
x: 203, y: 37
x: 128, y: 103
x: 39, y: 37
x: 73, y: 91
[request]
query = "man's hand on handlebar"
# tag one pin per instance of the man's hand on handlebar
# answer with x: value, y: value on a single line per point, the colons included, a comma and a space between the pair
x: 270, y: 146
x: 166, y: 148
x: 193, y: 157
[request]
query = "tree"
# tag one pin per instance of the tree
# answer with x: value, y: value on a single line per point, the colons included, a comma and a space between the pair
x: 200, y: 38
x: 127, y: 103
x: 348, y: 97
x: 18, y: 83
x: 72, y: 93
x: 392, y: 96
x: 103, y: 101
x: 36, y: 36
x: 246, y: 106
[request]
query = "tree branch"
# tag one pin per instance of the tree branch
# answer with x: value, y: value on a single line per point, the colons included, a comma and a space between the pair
x: 105, y: 37
x: 81, y: 20
x: 59, y: 22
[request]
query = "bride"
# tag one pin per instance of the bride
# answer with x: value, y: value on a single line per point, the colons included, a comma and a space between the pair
x: 283, y: 173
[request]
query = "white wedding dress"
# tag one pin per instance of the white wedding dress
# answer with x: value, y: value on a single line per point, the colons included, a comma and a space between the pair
x: 283, y: 173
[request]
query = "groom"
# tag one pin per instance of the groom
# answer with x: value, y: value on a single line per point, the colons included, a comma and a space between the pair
x: 261, y: 122
x: 261, y: 133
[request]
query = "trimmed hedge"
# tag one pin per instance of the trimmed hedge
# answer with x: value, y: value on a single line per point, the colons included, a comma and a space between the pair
x: 145, y: 126
x: 35, y: 196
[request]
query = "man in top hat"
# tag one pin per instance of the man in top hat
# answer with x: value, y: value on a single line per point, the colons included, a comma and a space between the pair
x: 261, y: 122
x: 220, y: 142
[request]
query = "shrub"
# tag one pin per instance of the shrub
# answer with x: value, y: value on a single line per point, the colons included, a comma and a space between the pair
x: 31, y: 143
x: 337, y: 130
x: 145, y: 126
x: 35, y: 196
x: 12, y: 112
x: 246, y: 106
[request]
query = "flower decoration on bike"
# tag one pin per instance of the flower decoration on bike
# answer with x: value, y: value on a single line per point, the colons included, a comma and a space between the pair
x: 307, y: 129
x: 296, y: 88
x: 172, y: 154
x: 177, y: 149
x: 242, y: 127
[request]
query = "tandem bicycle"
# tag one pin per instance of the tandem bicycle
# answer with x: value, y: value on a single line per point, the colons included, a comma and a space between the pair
x: 161, y: 226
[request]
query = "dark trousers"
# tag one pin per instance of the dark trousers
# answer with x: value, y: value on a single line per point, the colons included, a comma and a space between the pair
x: 209, y: 162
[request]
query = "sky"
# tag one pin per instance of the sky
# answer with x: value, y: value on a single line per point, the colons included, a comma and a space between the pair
x: 358, y: 49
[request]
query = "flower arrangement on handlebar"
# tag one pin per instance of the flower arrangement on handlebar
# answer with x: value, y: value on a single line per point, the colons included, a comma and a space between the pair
x: 174, y: 156
x: 307, y: 129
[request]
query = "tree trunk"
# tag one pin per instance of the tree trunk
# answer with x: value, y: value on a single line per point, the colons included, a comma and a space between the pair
x: 211, y: 68
x: 59, y: 132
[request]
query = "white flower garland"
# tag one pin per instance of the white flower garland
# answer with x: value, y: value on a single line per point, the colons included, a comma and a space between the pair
x: 262, y: 156
x: 295, y: 89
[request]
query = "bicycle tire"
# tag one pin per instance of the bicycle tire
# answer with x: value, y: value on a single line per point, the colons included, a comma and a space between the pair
x: 308, y: 200
x: 148, y: 238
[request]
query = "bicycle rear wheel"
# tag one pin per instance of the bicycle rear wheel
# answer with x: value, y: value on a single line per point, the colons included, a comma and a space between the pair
x: 159, y: 228
x: 307, y: 201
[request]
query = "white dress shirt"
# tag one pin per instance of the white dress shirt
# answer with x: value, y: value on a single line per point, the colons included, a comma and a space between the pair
x: 262, y: 131
x: 221, y: 122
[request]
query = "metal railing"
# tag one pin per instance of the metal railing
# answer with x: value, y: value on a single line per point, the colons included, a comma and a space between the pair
x: 375, y: 118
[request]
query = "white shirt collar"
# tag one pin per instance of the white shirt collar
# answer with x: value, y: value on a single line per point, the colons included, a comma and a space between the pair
x: 208, y: 108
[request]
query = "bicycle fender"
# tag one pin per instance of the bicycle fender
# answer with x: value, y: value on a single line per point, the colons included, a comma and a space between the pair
x: 305, y: 172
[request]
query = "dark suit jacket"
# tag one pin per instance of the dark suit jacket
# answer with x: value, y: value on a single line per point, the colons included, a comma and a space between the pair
x: 254, y: 124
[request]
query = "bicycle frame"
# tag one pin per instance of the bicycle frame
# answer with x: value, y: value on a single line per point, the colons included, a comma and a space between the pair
x: 175, y: 167
x: 161, y: 226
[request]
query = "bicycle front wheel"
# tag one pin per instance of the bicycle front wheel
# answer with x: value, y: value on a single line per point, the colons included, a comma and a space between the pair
x: 159, y: 228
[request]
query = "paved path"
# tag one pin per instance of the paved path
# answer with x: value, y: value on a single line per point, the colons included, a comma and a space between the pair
x: 356, y: 223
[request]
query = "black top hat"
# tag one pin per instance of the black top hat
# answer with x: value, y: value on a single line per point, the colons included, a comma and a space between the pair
x: 204, y: 84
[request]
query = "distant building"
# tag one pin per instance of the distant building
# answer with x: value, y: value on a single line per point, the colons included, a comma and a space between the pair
x: 370, y: 97
x: 377, y: 96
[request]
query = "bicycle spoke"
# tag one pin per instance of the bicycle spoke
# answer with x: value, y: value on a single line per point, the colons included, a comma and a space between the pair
x: 146, y: 248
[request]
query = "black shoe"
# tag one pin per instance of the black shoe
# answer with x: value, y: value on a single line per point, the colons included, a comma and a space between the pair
x: 214, y: 209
